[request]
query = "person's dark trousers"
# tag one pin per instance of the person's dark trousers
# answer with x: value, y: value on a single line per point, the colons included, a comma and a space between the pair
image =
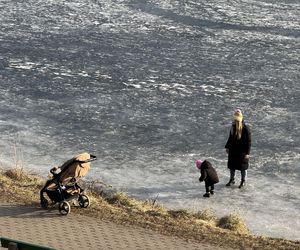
x: 209, y: 188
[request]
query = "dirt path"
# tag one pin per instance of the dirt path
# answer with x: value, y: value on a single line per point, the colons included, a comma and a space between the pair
x: 49, y: 228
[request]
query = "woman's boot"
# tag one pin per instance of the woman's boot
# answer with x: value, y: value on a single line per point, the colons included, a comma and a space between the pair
x: 231, y: 182
x: 243, y: 183
x: 207, y: 195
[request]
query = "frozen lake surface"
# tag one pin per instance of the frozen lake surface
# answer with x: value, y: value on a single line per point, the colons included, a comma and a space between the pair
x: 149, y: 87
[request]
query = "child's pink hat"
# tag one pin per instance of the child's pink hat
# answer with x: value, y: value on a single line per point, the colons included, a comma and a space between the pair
x: 198, y: 164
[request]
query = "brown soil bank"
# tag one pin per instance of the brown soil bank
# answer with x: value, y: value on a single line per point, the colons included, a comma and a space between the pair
x: 229, y: 232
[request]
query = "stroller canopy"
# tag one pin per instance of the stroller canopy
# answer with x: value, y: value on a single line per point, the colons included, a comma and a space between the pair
x: 78, y: 166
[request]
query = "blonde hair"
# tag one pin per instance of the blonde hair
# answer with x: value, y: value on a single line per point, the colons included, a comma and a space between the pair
x: 238, y: 129
x: 238, y: 120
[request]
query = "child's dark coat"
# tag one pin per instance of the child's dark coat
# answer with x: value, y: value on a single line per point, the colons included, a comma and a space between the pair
x: 208, y: 174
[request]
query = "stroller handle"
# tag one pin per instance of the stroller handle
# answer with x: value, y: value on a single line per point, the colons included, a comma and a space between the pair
x: 52, y: 171
x: 94, y: 157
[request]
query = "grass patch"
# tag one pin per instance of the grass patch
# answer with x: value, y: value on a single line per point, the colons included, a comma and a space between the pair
x: 180, y: 213
x: 233, y: 222
x: 206, y: 215
x: 121, y: 198
x: 17, y: 174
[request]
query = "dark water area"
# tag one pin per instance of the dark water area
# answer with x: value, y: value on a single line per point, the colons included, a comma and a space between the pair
x: 149, y: 87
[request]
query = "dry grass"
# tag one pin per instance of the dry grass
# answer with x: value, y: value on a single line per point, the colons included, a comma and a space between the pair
x: 206, y: 215
x: 19, y: 187
x: 229, y: 232
x: 17, y: 174
x: 233, y: 222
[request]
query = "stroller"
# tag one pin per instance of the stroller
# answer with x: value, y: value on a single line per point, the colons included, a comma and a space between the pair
x: 63, y: 186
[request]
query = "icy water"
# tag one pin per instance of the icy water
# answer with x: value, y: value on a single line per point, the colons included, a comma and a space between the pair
x: 149, y: 87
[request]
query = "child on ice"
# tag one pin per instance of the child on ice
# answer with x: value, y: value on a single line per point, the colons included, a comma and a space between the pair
x: 208, y: 175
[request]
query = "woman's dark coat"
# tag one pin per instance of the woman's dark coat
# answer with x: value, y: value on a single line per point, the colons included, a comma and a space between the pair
x: 208, y: 174
x: 238, y: 148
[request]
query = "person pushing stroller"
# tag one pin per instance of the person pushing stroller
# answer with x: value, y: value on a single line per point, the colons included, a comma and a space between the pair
x: 208, y: 175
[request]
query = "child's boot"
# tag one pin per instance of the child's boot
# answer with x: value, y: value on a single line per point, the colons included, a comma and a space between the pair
x: 207, y: 195
x: 212, y: 192
x: 231, y: 182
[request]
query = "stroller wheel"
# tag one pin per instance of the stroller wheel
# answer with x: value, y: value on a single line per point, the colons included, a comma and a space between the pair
x: 64, y: 208
x: 84, y: 201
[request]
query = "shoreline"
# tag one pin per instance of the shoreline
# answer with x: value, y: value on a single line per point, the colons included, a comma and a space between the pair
x: 123, y: 209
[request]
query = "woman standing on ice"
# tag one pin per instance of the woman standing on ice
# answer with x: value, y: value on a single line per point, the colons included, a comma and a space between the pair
x: 238, y: 148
